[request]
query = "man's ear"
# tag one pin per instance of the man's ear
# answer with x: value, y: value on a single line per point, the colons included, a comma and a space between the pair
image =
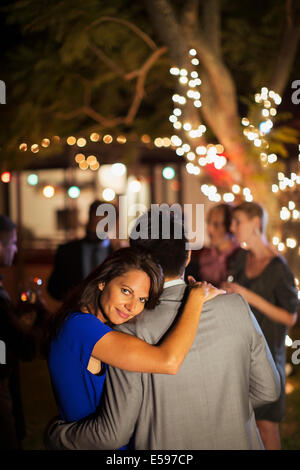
x: 101, y: 285
x: 188, y: 258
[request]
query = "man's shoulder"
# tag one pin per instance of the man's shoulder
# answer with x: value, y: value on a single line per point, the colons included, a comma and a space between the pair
x: 155, y: 322
x: 232, y: 306
x: 228, y: 299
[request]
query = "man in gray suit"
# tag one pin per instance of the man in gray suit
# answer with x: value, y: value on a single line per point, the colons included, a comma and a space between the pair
x: 209, y: 404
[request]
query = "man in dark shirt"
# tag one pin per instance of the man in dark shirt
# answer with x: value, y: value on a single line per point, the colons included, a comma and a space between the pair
x: 76, y: 259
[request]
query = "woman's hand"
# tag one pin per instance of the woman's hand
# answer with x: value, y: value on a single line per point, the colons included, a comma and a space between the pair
x: 204, y: 291
x: 233, y: 288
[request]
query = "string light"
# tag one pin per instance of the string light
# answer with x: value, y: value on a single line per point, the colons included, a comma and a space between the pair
x: 35, y: 148
x: 74, y: 192
x: 48, y: 191
x: 81, y: 142
x: 269, y: 101
x: 91, y: 159
x: 107, y: 139
x: 208, y: 155
x: 108, y: 194
x: 135, y: 186
x: 168, y: 173
x: 95, y: 166
x: 23, y: 147
x: 6, y: 177
x: 121, y: 139
x: 45, y: 143
x: 79, y: 157
x: 94, y: 137
x: 118, y: 169
x: 83, y: 165
x: 32, y: 179
x: 71, y: 140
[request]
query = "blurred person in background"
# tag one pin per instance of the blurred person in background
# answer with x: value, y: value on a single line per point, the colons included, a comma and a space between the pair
x: 75, y: 260
x: 211, y: 262
x: 21, y: 341
x: 264, y: 279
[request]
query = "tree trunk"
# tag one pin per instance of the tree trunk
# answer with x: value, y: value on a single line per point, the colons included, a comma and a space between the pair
x: 218, y: 92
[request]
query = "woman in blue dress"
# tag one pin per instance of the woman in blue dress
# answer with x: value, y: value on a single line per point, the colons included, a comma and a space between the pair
x: 83, y: 341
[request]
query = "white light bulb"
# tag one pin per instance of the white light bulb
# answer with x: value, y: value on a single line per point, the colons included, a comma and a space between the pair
x: 174, y: 71
x: 108, y: 194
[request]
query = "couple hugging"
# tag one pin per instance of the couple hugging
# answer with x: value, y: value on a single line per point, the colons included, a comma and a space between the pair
x: 132, y: 367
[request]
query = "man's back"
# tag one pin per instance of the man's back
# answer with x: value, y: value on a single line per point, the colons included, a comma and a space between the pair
x: 209, y: 403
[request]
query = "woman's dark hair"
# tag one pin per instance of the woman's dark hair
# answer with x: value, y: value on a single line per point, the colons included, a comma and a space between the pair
x: 88, y: 294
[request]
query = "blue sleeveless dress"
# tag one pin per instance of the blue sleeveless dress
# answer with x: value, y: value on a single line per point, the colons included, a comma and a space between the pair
x: 77, y: 391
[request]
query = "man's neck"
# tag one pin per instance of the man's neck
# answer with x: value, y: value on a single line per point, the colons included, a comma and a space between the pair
x: 167, y: 279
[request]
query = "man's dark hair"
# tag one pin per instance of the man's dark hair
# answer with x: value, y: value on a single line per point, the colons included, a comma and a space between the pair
x: 7, y: 226
x: 94, y: 205
x: 171, y: 252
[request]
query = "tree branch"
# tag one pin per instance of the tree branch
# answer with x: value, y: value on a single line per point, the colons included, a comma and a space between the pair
x: 286, y: 56
x: 106, y: 60
x: 190, y: 14
x: 168, y: 29
x: 141, y: 75
x: 212, y: 25
x: 87, y: 88
x: 147, y: 64
x: 288, y: 9
x: 71, y: 114
x: 129, y: 25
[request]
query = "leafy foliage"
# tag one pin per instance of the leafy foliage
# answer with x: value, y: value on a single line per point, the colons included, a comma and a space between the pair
x: 54, y: 68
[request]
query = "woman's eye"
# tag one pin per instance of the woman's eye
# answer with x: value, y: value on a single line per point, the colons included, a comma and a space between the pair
x: 125, y: 291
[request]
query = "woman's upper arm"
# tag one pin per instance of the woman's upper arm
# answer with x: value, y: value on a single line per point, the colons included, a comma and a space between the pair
x: 130, y: 353
x: 285, y: 291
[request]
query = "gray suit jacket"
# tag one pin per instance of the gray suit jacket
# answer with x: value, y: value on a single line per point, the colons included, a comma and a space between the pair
x: 207, y: 405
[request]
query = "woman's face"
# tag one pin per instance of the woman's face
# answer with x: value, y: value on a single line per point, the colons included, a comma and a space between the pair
x: 216, y: 226
x: 124, y: 297
x: 242, y: 227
